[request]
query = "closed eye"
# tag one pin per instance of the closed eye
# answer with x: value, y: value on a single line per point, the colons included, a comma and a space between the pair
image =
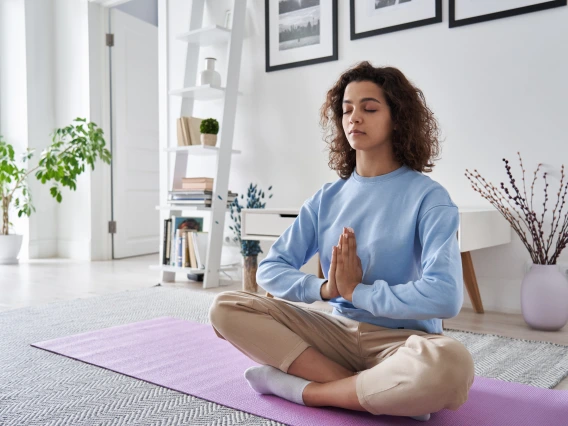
x: 367, y: 110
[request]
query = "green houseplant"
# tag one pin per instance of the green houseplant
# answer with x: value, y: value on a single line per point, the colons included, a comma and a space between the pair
x: 73, y: 147
x: 209, y: 129
x: 249, y: 248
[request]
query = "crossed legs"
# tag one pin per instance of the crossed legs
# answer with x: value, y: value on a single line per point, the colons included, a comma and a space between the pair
x: 332, y: 384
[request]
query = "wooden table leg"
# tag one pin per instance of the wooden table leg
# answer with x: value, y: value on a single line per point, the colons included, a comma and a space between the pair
x: 471, y: 282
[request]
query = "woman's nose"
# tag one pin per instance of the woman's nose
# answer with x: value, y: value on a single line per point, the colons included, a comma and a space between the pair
x: 355, y: 118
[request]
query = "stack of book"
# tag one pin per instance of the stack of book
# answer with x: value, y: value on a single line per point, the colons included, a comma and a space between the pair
x: 185, y: 243
x: 188, y: 131
x: 187, y: 249
x: 197, y: 192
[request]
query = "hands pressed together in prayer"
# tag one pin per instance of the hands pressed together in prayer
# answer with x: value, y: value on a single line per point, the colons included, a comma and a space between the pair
x: 345, y: 270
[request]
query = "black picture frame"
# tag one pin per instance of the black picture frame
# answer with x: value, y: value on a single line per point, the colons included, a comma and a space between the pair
x: 355, y: 36
x: 504, y: 14
x: 333, y: 57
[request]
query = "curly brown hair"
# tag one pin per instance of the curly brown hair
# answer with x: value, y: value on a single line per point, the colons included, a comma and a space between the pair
x: 415, y: 143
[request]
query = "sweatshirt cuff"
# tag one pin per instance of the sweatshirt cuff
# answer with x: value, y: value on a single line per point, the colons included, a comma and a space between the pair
x: 362, y: 297
x: 312, y: 288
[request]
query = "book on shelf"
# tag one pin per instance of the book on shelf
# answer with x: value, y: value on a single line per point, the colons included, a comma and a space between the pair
x: 196, y: 197
x: 190, y: 192
x: 181, y: 135
x: 199, y: 191
x: 167, y: 241
x: 191, y: 249
x: 199, y: 203
x: 178, y: 224
x: 205, y: 186
x: 197, y: 245
x: 201, y: 239
x: 188, y: 131
x: 196, y: 179
x: 179, y: 247
x: 188, y: 247
x: 190, y: 197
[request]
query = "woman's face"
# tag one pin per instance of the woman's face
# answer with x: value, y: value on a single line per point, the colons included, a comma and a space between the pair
x: 365, y: 109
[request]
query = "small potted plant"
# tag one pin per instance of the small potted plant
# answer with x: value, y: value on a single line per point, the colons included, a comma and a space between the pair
x: 544, y: 289
x: 73, y: 147
x: 209, y: 129
x: 249, y: 248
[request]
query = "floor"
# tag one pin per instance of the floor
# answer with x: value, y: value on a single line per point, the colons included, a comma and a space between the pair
x: 38, y: 282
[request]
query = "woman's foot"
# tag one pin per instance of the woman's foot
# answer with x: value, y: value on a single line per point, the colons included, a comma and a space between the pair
x: 271, y: 381
x: 423, y: 418
x: 268, y: 380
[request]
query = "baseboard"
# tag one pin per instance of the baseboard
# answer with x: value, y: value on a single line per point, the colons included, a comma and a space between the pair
x: 42, y: 249
x: 74, y: 249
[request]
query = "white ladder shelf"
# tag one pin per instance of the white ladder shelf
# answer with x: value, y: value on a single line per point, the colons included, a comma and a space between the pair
x: 196, y: 37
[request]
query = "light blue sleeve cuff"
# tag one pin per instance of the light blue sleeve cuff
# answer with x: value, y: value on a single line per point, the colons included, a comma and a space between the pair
x: 362, y: 297
x: 312, y: 288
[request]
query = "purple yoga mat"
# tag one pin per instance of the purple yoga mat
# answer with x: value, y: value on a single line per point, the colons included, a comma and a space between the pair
x: 188, y: 357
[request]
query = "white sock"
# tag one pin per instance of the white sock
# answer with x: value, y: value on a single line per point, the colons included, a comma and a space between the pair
x: 268, y: 380
x: 271, y: 381
x: 422, y: 418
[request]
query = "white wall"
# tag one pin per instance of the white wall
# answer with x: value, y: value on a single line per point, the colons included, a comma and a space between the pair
x: 71, y: 53
x: 14, y: 90
x: 41, y: 122
x: 497, y: 88
x: 146, y: 10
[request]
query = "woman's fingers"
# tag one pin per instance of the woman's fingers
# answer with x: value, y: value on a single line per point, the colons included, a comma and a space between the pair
x: 333, y: 257
x: 345, y: 249
x: 352, y: 249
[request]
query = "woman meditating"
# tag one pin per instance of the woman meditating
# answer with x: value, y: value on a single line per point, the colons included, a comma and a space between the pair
x: 387, y: 235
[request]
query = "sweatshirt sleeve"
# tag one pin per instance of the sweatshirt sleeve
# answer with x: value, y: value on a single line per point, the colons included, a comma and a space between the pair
x: 278, y: 273
x: 439, y: 292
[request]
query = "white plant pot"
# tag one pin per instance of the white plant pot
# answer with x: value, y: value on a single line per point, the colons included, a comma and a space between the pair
x: 10, y: 248
x: 544, y: 298
x: 208, y: 139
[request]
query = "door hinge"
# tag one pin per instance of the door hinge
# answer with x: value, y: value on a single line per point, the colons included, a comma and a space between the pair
x: 110, y: 40
x: 112, y: 227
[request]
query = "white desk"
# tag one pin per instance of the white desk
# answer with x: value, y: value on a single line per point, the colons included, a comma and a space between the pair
x: 479, y: 228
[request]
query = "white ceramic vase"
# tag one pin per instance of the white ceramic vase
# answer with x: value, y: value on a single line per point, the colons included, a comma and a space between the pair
x: 10, y: 248
x: 209, y: 75
x: 544, y: 298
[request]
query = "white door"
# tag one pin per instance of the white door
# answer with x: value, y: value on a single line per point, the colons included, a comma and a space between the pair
x: 135, y: 167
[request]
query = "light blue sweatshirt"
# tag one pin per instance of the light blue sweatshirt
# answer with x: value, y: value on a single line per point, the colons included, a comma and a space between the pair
x: 405, y: 227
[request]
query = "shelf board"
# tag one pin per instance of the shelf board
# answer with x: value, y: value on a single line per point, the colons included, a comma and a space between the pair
x: 184, y: 207
x: 169, y: 268
x: 258, y: 237
x: 198, y: 149
x: 205, y: 92
x: 207, y: 36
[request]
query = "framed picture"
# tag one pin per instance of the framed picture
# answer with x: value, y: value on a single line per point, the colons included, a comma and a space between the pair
x: 466, y: 12
x: 188, y: 223
x: 300, y: 32
x: 374, y: 17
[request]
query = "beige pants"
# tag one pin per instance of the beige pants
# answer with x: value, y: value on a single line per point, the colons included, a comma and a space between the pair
x: 403, y: 372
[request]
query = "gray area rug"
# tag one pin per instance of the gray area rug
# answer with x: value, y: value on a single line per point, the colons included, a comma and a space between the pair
x: 41, y: 388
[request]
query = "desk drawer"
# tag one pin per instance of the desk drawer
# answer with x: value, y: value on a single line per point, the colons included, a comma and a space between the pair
x: 267, y: 224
